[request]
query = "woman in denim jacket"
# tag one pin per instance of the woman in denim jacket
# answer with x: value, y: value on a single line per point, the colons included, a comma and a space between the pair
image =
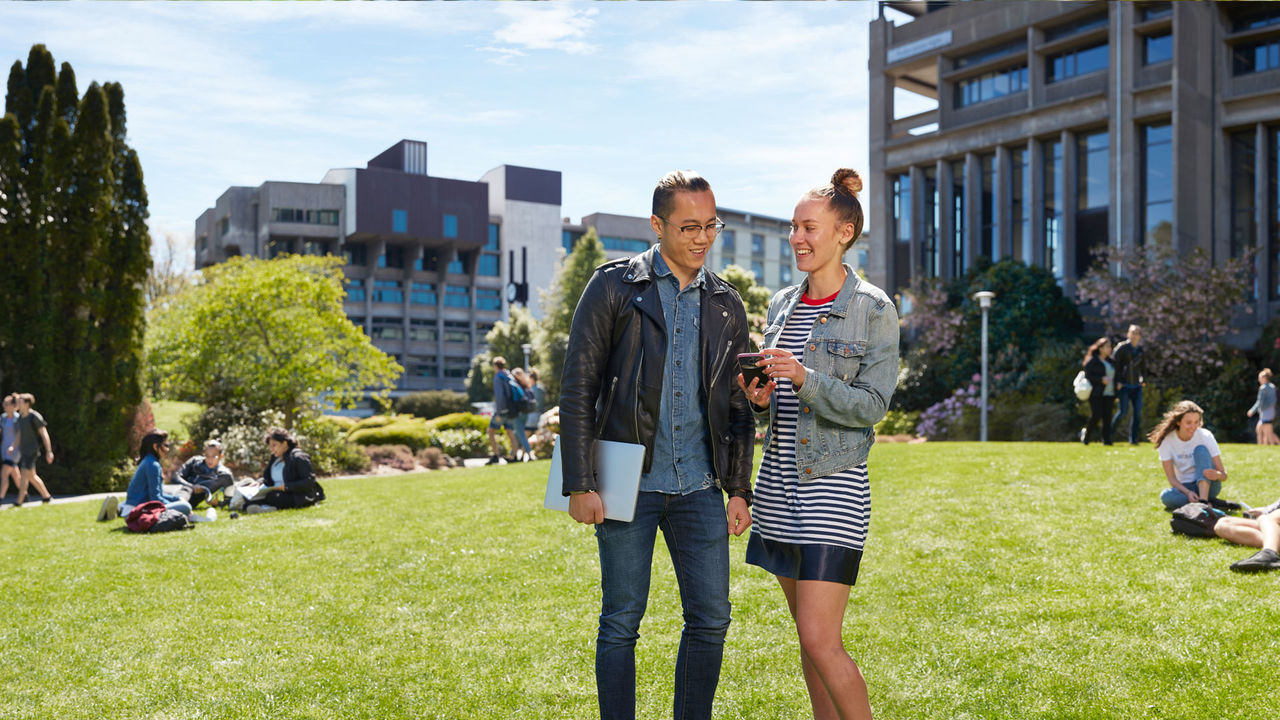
x: 831, y: 355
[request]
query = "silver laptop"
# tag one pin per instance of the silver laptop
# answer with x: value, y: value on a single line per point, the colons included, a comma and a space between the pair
x: 618, y: 468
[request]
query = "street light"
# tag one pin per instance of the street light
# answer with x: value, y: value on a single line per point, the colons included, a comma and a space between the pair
x: 984, y: 301
x: 527, y: 348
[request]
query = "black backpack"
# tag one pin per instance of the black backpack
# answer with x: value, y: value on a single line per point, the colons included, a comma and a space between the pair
x: 170, y: 520
x: 1195, y: 520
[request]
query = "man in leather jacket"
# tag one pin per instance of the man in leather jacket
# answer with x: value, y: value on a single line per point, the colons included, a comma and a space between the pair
x: 651, y: 360
x: 1129, y: 380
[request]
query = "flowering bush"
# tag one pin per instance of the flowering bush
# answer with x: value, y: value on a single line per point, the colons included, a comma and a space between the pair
x: 399, y: 457
x: 466, y: 443
x: 943, y: 420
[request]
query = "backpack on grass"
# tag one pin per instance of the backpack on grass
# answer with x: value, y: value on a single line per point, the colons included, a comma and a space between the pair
x: 1194, y: 520
x: 151, y: 516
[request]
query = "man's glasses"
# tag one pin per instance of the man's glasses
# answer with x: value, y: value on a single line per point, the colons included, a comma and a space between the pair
x: 691, y: 232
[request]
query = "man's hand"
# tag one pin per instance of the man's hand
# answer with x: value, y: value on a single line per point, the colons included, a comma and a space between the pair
x: 738, y: 515
x: 586, y: 508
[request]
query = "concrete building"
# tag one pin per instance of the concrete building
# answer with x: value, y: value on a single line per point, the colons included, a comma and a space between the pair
x: 1053, y: 128
x: 427, y: 258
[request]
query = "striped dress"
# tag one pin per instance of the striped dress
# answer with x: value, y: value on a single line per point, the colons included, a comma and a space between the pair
x: 831, y: 512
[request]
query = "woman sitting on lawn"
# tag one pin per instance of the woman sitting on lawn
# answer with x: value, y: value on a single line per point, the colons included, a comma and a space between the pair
x: 292, y: 483
x: 148, y: 480
x: 1190, y: 457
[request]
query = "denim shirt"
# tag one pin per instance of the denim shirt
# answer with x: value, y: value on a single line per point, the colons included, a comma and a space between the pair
x: 851, y: 370
x: 681, y: 445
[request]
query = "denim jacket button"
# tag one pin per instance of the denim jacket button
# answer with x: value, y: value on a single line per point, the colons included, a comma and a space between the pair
x: 823, y: 320
x: 804, y: 441
x: 812, y: 346
x: 806, y: 409
x: 808, y: 471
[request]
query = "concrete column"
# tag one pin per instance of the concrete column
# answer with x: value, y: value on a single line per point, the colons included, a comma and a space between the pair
x: 946, y: 226
x: 1194, y: 135
x: 1261, y: 260
x: 1002, y: 204
x: 917, y: 220
x: 1067, y: 241
x: 882, y: 258
x: 973, y: 208
x: 1035, y: 69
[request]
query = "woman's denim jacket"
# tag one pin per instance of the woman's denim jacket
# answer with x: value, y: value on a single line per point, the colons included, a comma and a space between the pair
x: 851, y: 370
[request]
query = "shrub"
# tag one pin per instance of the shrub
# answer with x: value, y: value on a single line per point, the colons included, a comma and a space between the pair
x: 898, y: 422
x: 433, y: 458
x: 244, y: 450
x: 373, y: 421
x: 466, y: 443
x: 407, y: 431
x: 432, y: 403
x: 399, y: 457
x: 459, y: 421
x: 945, y: 420
x: 346, y: 424
x: 325, y: 441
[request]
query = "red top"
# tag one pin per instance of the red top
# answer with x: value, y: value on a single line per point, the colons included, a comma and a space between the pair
x: 820, y: 301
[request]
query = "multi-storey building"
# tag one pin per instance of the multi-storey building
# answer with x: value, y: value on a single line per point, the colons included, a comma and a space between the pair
x: 425, y: 256
x: 1056, y: 128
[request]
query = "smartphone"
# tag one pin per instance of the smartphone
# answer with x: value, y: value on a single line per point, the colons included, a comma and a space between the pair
x: 749, y: 364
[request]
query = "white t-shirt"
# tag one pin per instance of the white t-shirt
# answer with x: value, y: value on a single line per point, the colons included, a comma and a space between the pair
x: 1182, y: 452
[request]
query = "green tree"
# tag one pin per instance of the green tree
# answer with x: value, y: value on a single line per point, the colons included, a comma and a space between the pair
x: 75, y: 246
x: 754, y: 297
x: 265, y: 335
x: 560, y: 302
x: 506, y: 340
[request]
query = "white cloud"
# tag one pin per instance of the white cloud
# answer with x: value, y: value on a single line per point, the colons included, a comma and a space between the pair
x: 537, y: 26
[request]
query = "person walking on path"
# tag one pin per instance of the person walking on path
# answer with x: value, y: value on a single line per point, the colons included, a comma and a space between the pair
x: 8, y: 437
x: 1129, y: 381
x: 831, y: 355
x: 650, y: 361
x: 1189, y: 455
x: 1101, y: 374
x: 504, y: 413
x: 521, y: 417
x: 1265, y: 408
x: 32, y: 433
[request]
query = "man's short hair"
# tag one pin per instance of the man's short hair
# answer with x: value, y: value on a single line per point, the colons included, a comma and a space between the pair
x: 672, y: 183
x: 1135, y: 328
x: 213, y: 444
x: 27, y: 398
x: 500, y: 363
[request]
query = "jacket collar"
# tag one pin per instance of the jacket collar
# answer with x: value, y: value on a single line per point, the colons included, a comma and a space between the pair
x: 640, y: 269
x: 840, y: 306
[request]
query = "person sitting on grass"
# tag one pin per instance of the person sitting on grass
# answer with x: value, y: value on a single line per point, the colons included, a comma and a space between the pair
x: 204, y: 477
x: 288, y: 475
x: 1190, y: 457
x: 148, y: 480
x: 1260, y: 529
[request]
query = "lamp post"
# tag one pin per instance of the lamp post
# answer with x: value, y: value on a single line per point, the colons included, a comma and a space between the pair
x: 527, y: 348
x: 984, y: 301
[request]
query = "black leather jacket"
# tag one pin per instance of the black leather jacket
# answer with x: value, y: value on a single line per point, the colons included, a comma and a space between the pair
x: 614, y: 368
x: 299, y: 478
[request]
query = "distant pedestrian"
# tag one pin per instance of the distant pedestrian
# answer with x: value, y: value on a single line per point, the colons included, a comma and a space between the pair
x: 1129, y: 381
x: 503, y: 413
x: 539, y: 400
x: 32, y: 432
x: 1265, y: 407
x: 1101, y: 374
x: 9, y: 424
x: 521, y: 417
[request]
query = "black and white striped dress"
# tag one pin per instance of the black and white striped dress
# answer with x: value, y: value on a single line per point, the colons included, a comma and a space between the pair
x: 805, y: 530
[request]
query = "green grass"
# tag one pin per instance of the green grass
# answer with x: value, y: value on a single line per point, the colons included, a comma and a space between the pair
x: 1000, y: 581
x: 172, y: 415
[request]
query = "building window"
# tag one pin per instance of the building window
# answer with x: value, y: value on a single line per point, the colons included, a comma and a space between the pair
x: 457, y: 331
x: 357, y: 321
x: 224, y: 226
x: 1077, y: 61
x: 315, y: 247
x: 457, y: 367
x: 959, y: 220
x: 488, y: 299
x: 278, y: 247
x: 399, y: 221
x: 309, y: 217
x: 392, y: 257
x: 728, y: 239
x: 458, y: 296
x: 356, y: 254
x: 1020, y: 209
x: 355, y: 289
x: 1012, y: 47
x: 387, y: 291
x: 784, y: 274
x: 1244, y: 160
x: 784, y: 248
x: 990, y: 86
x: 1157, y: 48
x: 1093, y: 197
x: 458, y: 265
x: 482, y: 334
x: 1248, y: 58
x: 930, y: 262
x: 1259, y: 15
x: 1053, y: 207
x: 1157, y: 184
x: 492, y: 245
x: 757, y: 269
x: 757, y: 244
x: 429, y: 262
x: 631, y: 245
x: 569, y: 238
x: 387, y: 328
x: 421, y: 366
x: 989, y: 221
x: 1155, y: 10
x: 1273, y: 199
x: 421, y: 293
x: 1075, y: 28
x: 421, y: 330
x: 725, y: 262
x: 487, y: 265
x: 450, y: 229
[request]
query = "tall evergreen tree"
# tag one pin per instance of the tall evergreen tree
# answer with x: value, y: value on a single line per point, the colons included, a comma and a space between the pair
x: 560, y: 304
x: 73, y: 214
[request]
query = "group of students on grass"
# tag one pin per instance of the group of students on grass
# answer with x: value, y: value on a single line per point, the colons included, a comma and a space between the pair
x: 1193, y: 466
x: 287, y: 481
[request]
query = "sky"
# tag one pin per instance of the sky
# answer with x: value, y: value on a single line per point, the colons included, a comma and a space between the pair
x: 764, y: 99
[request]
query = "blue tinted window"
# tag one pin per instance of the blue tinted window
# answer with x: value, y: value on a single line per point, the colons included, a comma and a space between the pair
x: 488, y: 299
x: 399, y: 221
x: 387, y: 291
x: 458, y: 296
x: 1071, y: 63
x: 457, y: 266
x: 1157, y: 48
x: 757, y: 244
x: 1093, y: 172
x: 355, y: 290
x: 990, y: 86
x: 784, y: 274
x: 1157, y: 183
x: 488, y: 265
x: 422, y: 294
x: 567, y: 238
x: 757, y: 269
x: 631, y: 245
x: 451, y: 226
x: 1074, y: 28
x: 1256, y: 57
x: 727, y: 240
x: 493, y: 238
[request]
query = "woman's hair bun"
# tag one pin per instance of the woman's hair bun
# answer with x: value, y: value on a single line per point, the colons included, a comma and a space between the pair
x: 847, y: 180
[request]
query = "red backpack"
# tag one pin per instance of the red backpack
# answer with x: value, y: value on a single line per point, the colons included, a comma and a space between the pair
x: 142, y: 517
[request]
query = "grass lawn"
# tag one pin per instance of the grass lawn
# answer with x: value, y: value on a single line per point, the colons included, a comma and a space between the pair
x: 1000, y: 581
x: 171, y: 415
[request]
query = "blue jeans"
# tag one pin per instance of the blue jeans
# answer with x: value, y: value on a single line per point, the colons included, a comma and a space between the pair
x: 695, y: 530
x: 520, y: 436
x: 1173, y: 499
x: 1127, y: 395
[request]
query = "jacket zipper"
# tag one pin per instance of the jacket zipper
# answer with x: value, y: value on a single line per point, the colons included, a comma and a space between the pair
x: 635, y: 419
x: 608, y: 405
